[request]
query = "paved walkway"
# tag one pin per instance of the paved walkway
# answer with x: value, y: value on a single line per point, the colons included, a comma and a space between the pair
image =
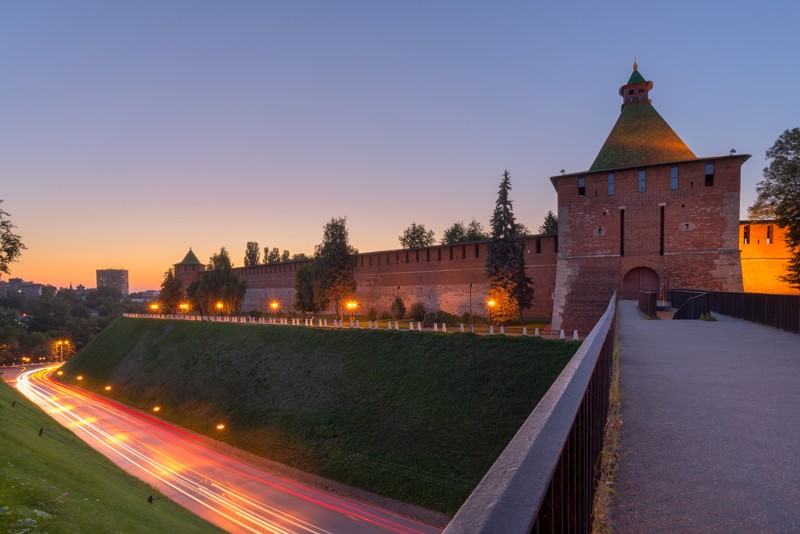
x: 711, y: 427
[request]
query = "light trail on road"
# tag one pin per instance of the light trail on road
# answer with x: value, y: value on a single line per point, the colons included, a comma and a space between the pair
x: 227, y: 491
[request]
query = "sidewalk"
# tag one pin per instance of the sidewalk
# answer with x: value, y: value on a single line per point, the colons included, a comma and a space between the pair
x: 711, y: 427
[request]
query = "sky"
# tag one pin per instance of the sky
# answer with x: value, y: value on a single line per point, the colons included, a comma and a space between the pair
x: 131, y: 131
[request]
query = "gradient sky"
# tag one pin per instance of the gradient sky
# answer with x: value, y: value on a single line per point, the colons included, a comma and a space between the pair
x: 130, y: 131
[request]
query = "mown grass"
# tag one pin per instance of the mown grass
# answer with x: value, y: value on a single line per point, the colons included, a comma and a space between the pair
x: 419, y: 417
x: 57, y: 483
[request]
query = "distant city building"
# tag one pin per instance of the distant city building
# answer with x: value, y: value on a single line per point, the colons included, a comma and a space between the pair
x: 18, y: 285
x: 116, y: 278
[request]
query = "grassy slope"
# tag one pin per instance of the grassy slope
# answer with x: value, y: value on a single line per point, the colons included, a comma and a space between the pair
x: 57, y: 483
x: 417, y: 417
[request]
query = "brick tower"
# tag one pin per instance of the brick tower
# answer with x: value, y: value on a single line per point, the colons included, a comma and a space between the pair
x: 648, y: 214
x: 189, y: 269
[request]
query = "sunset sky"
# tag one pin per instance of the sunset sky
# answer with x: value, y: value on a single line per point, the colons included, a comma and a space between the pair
x: 130, y: 131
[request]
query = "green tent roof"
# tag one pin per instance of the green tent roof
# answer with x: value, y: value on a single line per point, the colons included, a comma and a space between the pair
x: 640, y: 137
x: 191, y: 259
x: 635, y: 77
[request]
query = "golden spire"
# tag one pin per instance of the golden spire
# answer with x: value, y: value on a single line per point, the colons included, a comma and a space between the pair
x: 635, y: 64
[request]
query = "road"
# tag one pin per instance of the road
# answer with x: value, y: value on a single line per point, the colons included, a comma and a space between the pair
x: 227, y: 491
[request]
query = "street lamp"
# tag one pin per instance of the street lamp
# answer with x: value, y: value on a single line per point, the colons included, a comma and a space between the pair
x: 352, y: 305
x: 491, y: 304
x: 274, y: 305
x: 154, y: 307
x: 61, y: 344
x: 183, y: 307
x: 219, y: 307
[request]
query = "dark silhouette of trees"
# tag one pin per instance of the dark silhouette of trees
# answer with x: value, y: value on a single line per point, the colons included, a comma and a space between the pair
x: 550, y: 224
x: 218, y: 284
x: 10, y: 243
x: 416, y: 236
x: 252, y: 254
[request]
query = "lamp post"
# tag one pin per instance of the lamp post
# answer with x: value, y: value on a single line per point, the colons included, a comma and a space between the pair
x: 219, y: 307
x: 61, y: 344
x: 274, y: 305
x: 183, y: 307
x: 470, y: 303
x: 352, y: 305
x: 491, y: 304
x: 154, y: 308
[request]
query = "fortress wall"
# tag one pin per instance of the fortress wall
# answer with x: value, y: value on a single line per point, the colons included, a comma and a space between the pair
x: 441, y: 277
x: 765, y: 257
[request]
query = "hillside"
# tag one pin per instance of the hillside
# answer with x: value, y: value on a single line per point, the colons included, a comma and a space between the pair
x: 57, y: 483
x: 417, y: 417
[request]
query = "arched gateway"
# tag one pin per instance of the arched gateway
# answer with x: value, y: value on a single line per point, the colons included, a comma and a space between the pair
x: 639, y: 279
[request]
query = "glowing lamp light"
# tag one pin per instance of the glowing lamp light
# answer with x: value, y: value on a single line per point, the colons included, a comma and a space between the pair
x: 220, y: 427
x: 107, y: 388
x: 156, y: 408
x: 219, y: 305
x: 183, y: 306
x: 80, y: 377
x: 60, y: 373
x: 274, y: 305
x: 491, y: 303
x: 154, y: 307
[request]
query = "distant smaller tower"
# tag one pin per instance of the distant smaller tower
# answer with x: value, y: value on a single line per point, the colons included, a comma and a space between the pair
x: 189, y: 269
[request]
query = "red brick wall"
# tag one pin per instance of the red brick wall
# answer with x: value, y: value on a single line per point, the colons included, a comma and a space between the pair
x: 764, y: 260
x: 438, y: 276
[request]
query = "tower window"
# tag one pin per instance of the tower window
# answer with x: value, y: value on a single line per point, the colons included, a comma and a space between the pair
x: 769, y: 234
x: 746, y: 232
x: 710, y: 174
x: 538, y: 245
x: 582, y: 186
x: 642, y: 180
x: 630, y: 91
x: 611, y: 183
x: 673, y: 178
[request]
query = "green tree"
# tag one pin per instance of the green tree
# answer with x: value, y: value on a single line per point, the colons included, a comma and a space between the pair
x: 457, y: 233
x: 218, y: 284
x: 252, y: 254
x: 10, y: 243
x: 272, y: 256
x: 299, y: 256
x: 398, y: 308
x: 171, y: 293
x: 337, y: 261
x: 416, y: 236
x: 779, y: 196
x: 475, y: 232
x: 285, y: 255
x: 505, y: 265
x: 550, y: 224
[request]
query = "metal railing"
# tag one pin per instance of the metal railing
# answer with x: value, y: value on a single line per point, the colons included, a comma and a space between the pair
x: 648, y: 303
x: 690, y: 304
x: 777, y: 311
x: 544, y: 480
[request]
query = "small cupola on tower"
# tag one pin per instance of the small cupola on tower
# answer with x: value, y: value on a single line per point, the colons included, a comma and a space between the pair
x: 637, y: 89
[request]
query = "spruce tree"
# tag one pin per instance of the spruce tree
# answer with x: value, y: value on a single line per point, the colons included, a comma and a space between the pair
x: 509, y: 288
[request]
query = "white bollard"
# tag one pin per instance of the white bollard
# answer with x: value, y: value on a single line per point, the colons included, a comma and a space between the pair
x: 561, y: 334
x: 358, y: 325
x: 321, y: 322
x: 388, y: 325
x: 536, y: 332
x: 471, y: 328
x: 419, y: 326
x: 491, y: 330
x: 396, y: 326
x: 574, y: 335
x: 444, y: 327
x: 502, y: 330
x: 462, y: 328
x: 524, y: 330
x: 411, y: 325
x: 435, y: 327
